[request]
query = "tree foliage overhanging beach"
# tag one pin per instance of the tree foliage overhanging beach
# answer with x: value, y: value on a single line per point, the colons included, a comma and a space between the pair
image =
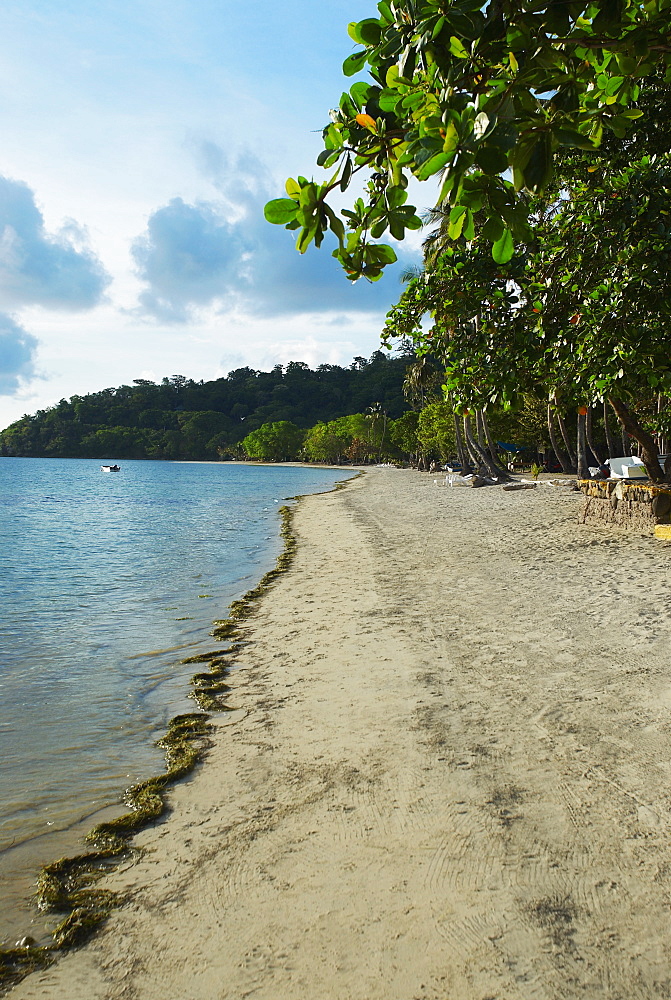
x: 548, y: 269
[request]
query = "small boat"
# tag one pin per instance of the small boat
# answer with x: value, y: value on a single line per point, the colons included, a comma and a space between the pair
x: 110, y: 468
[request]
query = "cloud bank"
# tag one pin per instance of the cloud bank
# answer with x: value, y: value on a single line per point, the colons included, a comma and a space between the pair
x: 223, y: 253
x: 189, y: 256
x: 36, y: 268
x: 17, y: 356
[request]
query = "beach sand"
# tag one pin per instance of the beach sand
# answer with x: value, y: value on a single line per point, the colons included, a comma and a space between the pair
x: 448, y: 778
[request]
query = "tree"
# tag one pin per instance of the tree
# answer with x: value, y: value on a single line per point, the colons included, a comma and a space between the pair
x: 276, y: 442
x: 327, y: 442
x: 435, y: 430
x: 579, y: 313
x: 403, y: 434
x: 179, y: 418
x: 469, y: 93
x: 603, y: 286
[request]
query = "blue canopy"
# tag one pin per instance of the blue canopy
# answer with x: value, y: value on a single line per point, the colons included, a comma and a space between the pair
x: 510, y: 447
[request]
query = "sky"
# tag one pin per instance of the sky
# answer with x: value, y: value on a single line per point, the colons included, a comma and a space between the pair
x: 140, y: 141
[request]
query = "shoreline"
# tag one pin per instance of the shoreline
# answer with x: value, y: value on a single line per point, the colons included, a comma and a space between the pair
x: 69, y: 841
x: 437, y: 781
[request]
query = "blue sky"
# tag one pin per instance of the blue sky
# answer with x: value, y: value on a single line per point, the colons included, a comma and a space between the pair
x: 139, y: 143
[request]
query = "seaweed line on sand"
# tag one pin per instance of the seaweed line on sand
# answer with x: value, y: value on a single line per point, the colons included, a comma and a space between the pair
x: 68, y: 886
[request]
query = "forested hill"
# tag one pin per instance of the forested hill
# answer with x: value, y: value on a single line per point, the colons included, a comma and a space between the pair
x: 179, y: 418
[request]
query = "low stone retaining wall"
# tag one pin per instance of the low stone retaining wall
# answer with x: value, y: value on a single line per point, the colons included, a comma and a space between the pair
x: 630, y: 504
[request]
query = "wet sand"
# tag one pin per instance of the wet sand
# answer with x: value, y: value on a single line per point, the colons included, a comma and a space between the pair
x: 447, y: 778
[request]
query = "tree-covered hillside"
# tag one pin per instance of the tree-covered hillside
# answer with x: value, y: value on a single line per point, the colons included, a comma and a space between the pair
x: 179, y: 418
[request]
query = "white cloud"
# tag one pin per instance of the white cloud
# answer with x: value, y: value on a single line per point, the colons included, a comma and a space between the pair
x: 37, y: 268
x: 17, y: 356
x: 223, y: 252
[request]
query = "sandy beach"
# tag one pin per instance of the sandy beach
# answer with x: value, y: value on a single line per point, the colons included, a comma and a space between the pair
x: 448, y: 775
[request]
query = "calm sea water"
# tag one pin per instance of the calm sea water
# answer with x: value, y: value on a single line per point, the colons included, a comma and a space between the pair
x: 107, y: 581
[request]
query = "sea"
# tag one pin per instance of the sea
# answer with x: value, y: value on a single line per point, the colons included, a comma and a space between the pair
x: 108, y: 581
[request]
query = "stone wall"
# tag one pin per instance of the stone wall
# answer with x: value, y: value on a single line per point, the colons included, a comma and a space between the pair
x: 630, y: 504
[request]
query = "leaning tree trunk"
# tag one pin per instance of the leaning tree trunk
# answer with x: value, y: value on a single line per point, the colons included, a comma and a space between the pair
x: 561, y: 456
x: 630, y: 425
x: 610, y: 440
x: 589, y: 428
x: 480, y: 432
x: 469, y: 443
x: 662, y: 443
x: 567, y: 440
x: 480, y: 457
x: 490, y: 447
x: 581, y: 450
x: 461, y: 450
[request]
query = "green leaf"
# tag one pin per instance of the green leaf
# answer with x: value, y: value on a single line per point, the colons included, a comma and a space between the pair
x: 397, y: 226
x: 504, y: 248
x: 614, y: 85
x: 328, y: 157
x: 457, y: 49
x: 382, y: 254
x: 538, y: 169
x: 370, y: 31
x: 333, y: 138
x: 360, y: 93
x: 336, y: 224
x: 396, y: 196
x: 346, y: 173
x: 433, y: 165
x: 306, y: 235
x: 469, y: 227
x: 354, y: 63
x: 451, y: 140
x: 280, y: 211
x: 457, y: 220
x: 292, y: 187
x: 388, y: 100
x: 391, y: 78
x: 493, y: 228
x: 491, y: 159
x: 568, y: 137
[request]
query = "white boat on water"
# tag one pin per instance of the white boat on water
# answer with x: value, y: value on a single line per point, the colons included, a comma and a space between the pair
x: 110, y: 468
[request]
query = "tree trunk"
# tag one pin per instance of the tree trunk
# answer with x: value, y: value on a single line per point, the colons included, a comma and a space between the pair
x: 479, y: 430
x: 630, y: 425
x: 490, y: 446
x: 480, y: 458
x: 626, y: 446
x: 474, y: 460
x: 567, y: 440
x: 581, y: 450
x: 589, y: 428
x: 610, y: 440
x: 461, y: 451
x: 561, y: 456
x: 662, y: 443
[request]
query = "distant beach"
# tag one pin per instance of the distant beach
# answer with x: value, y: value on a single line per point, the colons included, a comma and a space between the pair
x: 446, y: 774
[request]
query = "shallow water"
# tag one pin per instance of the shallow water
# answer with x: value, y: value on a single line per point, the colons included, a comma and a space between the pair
x: 107, y: 581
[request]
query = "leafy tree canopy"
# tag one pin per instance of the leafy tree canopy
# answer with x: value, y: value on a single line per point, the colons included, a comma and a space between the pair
x: 473, y: 96
x: 276, y: 442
